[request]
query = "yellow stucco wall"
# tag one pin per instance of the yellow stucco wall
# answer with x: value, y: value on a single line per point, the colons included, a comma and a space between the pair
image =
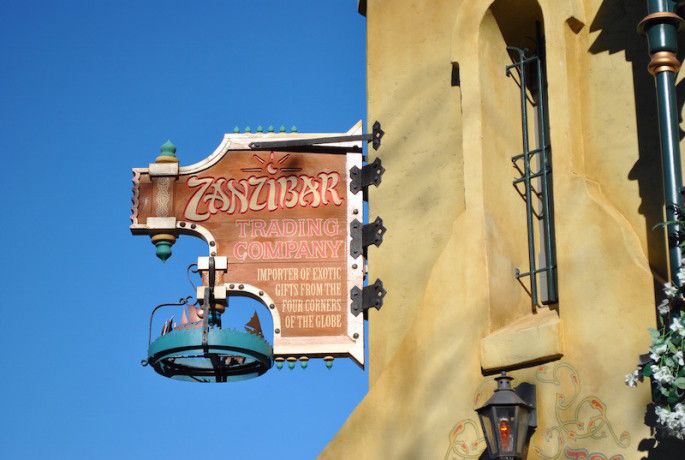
x: 453, y: 221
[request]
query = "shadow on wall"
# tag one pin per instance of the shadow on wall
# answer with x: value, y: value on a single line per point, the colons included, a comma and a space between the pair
x: 616, y: 21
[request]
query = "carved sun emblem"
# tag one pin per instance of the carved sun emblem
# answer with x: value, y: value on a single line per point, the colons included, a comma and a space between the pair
x: 271, y: 166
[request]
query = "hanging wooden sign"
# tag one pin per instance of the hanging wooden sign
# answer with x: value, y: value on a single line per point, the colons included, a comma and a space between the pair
x: 278, y: 223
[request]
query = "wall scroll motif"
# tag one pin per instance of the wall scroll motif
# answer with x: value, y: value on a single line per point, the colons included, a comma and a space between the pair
x: 577, y: 418
x: 466, y: 441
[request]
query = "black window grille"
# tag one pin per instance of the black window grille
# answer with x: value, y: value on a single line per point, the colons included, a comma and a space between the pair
x: 535, y: 168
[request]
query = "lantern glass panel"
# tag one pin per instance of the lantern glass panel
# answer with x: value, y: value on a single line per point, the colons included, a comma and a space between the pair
x: 486, y: 422
x: 505, y: 429
x: 523, y: 417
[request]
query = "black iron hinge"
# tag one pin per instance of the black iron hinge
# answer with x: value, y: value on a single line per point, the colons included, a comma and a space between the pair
x: 368, y: 175
x: 369, y: 296
x: 374, y: 137
x: 364, y: 236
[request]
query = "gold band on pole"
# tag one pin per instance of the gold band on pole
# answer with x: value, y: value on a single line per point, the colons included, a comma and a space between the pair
x: 677, y: 20
x: 663, y: 61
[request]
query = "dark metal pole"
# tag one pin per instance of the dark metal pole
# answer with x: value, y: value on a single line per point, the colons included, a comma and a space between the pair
x: 661, y: 27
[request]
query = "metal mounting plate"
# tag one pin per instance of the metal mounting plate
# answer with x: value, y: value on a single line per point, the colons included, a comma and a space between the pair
x: 369, y: 174
x: 364, y: 236
x: 370, y: 296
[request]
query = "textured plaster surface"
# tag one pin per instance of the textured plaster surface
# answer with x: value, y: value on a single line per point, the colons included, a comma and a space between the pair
x: 529, y: 339
x: 447, y: 256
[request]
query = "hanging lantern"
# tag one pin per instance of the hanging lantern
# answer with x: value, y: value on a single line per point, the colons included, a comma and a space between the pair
x: 200, y: 350
x: 508, y: 420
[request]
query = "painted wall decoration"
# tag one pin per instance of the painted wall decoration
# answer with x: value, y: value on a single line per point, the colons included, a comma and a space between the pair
x: 578, y: 420
x: 466, y: 441
x: 280, y: 220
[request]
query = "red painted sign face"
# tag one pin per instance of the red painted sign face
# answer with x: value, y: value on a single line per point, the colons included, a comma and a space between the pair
x: 282, y: 220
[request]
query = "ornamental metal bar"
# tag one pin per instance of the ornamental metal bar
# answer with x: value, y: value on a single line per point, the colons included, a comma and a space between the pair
x: 543, y: 174
x: 181, y: 303
x: 259, y: 145
x: 521, y: 66
x: 374, y: 137
x: 661, y: 27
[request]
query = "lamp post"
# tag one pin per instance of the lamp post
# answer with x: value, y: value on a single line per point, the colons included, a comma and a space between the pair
x: 508, y: 420
x: 661, y: 27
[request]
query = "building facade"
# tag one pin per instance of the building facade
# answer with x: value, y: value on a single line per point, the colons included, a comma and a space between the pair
x: 464, y: 230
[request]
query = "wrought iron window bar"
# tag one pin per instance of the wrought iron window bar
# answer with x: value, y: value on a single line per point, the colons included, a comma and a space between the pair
x: 530, y: 70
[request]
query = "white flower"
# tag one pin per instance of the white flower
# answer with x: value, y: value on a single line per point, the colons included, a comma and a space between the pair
x: 663, y: 375
x: 662, y: 414
x: 657, y: 352
x: 672, y: 420
x: 664, y: 307
x: 631, y: 379
x: 670, y: 290
x: 679, y: 358
x: 677, y: 326
x: 681, y: 275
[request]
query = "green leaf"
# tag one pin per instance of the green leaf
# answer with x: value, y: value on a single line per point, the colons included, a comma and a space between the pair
x: 669, y: 362
x: 647, y: 370
x: 664, y: 391
x: 680, y: 383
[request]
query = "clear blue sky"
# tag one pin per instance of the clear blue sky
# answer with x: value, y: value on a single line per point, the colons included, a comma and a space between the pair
x: 89, y: 89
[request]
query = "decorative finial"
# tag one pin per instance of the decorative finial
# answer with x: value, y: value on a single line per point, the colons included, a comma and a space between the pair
x: 279, y: 363
x: 328, y: 360
x: 303, y: 362
x: 247, y: 129
x: 168, y: 148
x: 270, y: 128
x: 163, y: 243
x: 260, y: 129
x: 293, y: 129
x: 291, y: 363
x: 236, y: 130
x: 167, y: 153
x: 281, y: 129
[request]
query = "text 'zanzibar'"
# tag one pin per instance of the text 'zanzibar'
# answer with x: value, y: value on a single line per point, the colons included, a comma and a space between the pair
x: 233, y: 196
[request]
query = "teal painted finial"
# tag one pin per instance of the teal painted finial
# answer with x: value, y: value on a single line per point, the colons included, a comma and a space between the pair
x: 270, y: 128
x: 329, y: 361
x: 236, y: 130
x: 168, y: 149
x: 281, y: 129
x: 260, y: 129
x: 247, y: 129
x: 163, y: 250
x: 293, y: 129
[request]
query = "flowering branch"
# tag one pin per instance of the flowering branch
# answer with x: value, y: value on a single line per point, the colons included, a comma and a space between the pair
x: 665, y: 363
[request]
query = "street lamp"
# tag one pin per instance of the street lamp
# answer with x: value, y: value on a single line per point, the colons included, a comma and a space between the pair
x: 508, y: 419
